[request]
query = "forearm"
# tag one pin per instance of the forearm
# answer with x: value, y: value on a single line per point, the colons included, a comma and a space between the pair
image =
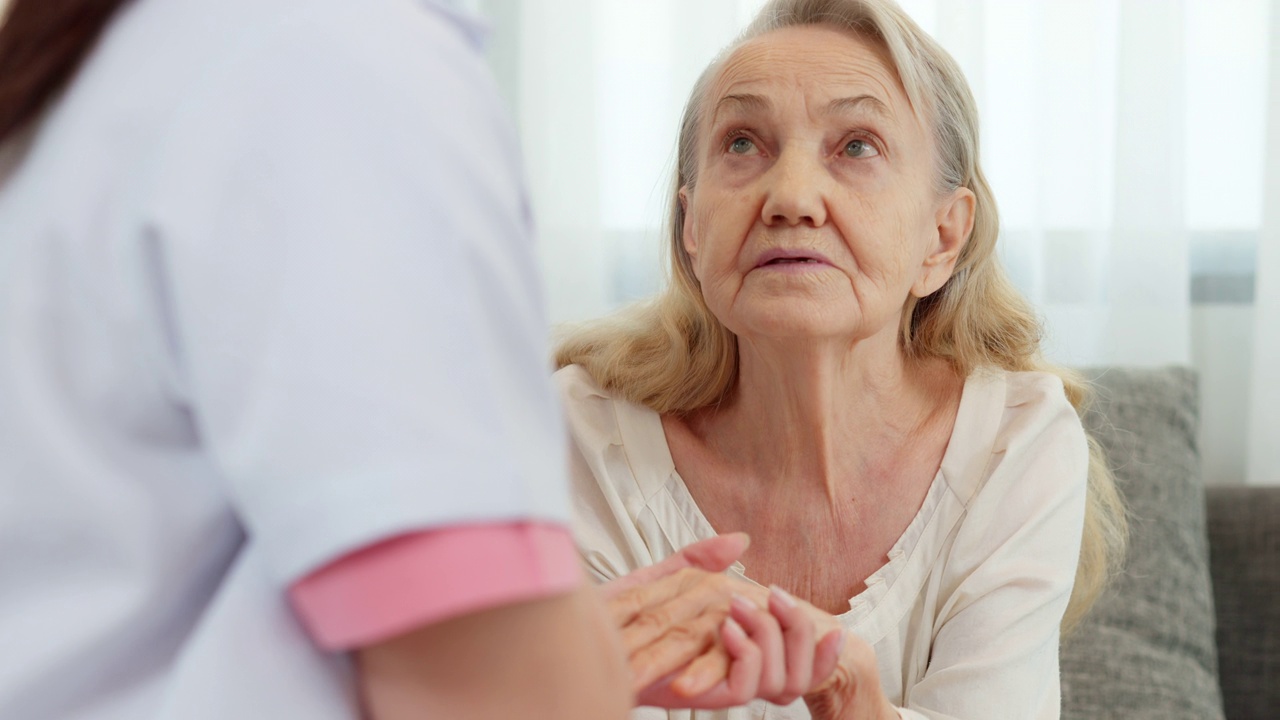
x: 556, y: 657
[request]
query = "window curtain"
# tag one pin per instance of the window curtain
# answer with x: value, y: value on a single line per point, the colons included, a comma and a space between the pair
x: 1129, y: 144
x: 1264, y: 411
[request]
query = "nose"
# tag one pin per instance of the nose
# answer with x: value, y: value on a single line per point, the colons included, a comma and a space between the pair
x: 794, y: 192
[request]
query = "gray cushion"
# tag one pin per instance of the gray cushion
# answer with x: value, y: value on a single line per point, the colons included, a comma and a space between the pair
x: 1244, y: 557
x: 1147, y: 649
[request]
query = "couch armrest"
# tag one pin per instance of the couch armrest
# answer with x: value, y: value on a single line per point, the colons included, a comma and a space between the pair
x: 1244, y: 561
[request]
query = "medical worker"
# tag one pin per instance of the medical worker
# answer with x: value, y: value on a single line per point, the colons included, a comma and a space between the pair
x: 276, y: 432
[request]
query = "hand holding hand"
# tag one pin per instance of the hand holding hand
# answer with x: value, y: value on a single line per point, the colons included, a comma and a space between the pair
x: 771, y: 653
x: 670, y: 612
x: 694, y: 638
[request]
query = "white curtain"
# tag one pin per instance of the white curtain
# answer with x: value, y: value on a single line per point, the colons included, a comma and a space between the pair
x: 1264, y: 416
x: 1127, y: 142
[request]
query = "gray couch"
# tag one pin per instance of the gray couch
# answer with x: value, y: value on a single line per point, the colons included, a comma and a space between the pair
x: 1191, y: 627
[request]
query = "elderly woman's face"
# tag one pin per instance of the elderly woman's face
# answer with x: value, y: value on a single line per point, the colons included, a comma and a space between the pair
x: 815, y: 210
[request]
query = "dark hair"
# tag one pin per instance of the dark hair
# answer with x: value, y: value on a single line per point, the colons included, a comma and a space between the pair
x: 42, y: 43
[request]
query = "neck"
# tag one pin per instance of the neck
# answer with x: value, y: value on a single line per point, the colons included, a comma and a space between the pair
x: 824, y: 415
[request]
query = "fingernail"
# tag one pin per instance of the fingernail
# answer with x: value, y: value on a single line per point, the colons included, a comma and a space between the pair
x: 732, y: 626
x: 742, y: 603
x: 782, y: 597
x: 844, y: 635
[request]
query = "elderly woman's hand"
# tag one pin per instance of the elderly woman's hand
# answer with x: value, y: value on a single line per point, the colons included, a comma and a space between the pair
x: 853, y: 691
x: 695, y: 640
x: 774, y: 653
x: 665, y: 612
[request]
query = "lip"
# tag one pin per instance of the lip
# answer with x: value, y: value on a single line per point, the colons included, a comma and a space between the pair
x: 797, y: 254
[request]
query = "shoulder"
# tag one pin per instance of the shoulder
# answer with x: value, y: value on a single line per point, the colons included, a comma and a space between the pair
x: 1038, y: 416
x: 1037, y: 457
x: 287, y: 68
x: 376, y: 120
x: 360, y: 59
x: 576, y: 383
x: 588, y: 408
x: 376, y: 31
x: 622, y: 444
x: 1024, y: 498
x: 1005, y: 419
x: 611, y: 481
x: 177, y: 46
x: 599, y: 420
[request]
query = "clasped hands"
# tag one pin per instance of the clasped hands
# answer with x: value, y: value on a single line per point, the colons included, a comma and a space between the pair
x: 696, y: 638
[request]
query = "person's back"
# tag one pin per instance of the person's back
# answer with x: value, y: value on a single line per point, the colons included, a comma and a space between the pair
x: 252, y: 262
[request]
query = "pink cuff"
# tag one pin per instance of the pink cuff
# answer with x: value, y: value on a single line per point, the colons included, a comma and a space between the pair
x: 397, y: 585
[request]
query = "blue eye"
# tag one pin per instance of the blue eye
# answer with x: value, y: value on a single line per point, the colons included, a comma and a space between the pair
x: 741, y: 146
x: 860, y: 149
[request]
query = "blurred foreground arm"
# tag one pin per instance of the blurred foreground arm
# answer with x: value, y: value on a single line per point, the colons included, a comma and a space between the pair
x: 550, y: 658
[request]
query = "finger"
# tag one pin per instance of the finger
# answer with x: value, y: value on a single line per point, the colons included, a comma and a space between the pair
x: 662, y: 694
x: 825, y: 657
x: 624, y: 606
x: 646, y: 614
x: 734, y: 661
x: 745, y: 662
x: 763, y: 629
x: 713, y: 555
x: 718, y: 553
x: 704, y: 673
x: 675, y: 649
x: 714, y: 663
x: 797, y: 637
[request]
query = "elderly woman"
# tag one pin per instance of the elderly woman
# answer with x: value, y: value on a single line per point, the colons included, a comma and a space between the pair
x: 840, y: 369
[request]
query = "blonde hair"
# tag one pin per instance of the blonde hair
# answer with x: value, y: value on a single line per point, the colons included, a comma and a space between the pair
x: 673, y: 355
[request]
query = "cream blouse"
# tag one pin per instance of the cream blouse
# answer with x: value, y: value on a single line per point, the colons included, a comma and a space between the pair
x: 964, y: 616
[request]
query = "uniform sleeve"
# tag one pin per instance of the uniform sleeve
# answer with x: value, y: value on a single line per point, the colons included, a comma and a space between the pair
x: 394, y: 586
x: 995, y: 654
x: 345, y: 271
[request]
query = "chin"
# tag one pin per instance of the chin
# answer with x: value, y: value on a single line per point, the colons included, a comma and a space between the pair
x: 796, y: 321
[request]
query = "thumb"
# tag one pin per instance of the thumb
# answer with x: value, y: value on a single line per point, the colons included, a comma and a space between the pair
x: 713, y: 555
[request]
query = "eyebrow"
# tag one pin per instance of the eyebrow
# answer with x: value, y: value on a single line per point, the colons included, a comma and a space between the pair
x: 745, y: 103
x: 758, y: 103
x: 852, y: 104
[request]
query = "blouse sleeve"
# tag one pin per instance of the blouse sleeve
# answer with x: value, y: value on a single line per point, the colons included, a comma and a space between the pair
x: 1011, y: 570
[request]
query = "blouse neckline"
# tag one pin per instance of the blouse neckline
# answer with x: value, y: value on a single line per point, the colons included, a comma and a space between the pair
x: 967, y: 453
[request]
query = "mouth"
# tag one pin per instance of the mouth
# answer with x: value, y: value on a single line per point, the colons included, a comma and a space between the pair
x: 790, y: 261
x: 782, y: 257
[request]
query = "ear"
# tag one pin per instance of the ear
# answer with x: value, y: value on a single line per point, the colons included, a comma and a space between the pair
x: 954, y: 221
x: 686, y: 231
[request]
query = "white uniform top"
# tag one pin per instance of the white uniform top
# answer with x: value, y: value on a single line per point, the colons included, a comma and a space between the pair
x: 963, y: 618
x: 265, y: 272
